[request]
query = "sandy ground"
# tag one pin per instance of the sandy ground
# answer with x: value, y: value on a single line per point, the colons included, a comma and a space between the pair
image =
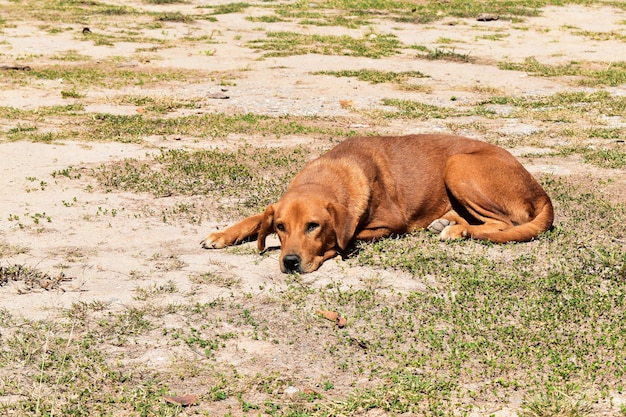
x: 109, y: 243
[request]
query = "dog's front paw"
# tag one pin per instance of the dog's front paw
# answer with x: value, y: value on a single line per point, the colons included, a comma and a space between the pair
x: 215, y: 240
x: 439, y: 225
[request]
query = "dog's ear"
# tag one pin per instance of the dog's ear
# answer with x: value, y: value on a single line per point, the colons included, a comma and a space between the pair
x: 343, y: 223
x: 266, y: 228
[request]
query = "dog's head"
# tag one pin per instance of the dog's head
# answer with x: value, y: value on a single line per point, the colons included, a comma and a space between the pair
x: 311, y: 230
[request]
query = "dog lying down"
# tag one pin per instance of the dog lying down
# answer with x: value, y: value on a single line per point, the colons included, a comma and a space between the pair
x: 369, y: 188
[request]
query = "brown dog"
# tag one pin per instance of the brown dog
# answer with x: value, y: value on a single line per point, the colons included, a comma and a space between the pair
x: 372, y: 187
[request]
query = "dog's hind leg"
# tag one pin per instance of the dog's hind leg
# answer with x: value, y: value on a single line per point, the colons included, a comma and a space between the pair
x: 499, y: 194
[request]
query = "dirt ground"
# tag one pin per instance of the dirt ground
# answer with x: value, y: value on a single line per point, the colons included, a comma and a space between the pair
x: 109, y: 243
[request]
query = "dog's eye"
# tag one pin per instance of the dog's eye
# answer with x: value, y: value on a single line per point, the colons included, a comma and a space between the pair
x: 312, y: 226
x: 280, y: 227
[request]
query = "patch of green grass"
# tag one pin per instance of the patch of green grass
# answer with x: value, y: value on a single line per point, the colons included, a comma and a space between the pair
x: 118, y: 327
x: 446, y: 41
x: 159, y: 105
x: 110, y: 39
x: 7, y: 249
x: 219, y: 174
x: 292, y: 43
x: 592, y: 74
x: 415, y: 110
x: 376, y: 76
x: 606, y: 132
x: 221, y: 280
x: 176, y: 17
x: 445, y: 54
x: 71, y: 56
x: 43, y: 111
x: 605, y: 158
x: 104, y: 75
x: 164, y: 1
x: 230, y: 8
x: 30, y: 279
x: 495, y: 36
x: 348, y: 22
x: 601, y: 156
x: 555, y: 402
x: 110, y: 10
x: 271, y: 18
x: 406, y: 11
x: 154, y: 290
x: 351, y: 13
x: 71, y: 94
x: 59, y: 368
x: 300, y: 10
x: 31, y: 133
x: 135, y: 128
x: 565, y: 107
x: 405, y: 393
x: 20, y: 131
x: 53, y: 30
x: 68, y: 12
x: 601, y: 36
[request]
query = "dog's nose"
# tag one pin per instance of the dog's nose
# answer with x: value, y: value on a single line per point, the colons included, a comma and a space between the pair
x: 291, y: 263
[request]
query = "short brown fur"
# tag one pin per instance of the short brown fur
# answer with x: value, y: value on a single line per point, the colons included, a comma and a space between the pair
x: 372, y: 187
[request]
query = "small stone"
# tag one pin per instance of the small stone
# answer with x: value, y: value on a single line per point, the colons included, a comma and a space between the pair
x: 487, y: 17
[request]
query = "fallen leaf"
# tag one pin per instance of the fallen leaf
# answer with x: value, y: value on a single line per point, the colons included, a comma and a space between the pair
x: 182, y: 399
x: 328, y: 315
x: 346, y: 103
x: 333, y: 316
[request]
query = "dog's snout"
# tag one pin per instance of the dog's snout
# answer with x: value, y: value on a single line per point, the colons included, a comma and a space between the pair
x: 292, y: 263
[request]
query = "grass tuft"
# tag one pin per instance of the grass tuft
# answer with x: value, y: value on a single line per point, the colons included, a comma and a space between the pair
x: 591, y: 74
x: 291, y: 43
x: 219, y: 174
x: 375, y: 76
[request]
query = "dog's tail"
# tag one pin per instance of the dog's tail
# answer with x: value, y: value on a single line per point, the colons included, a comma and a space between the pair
x: 544, y: 216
